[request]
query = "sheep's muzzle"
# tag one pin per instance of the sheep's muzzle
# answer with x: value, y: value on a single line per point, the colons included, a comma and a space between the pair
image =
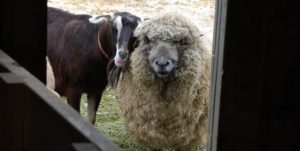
x: 163, y: 59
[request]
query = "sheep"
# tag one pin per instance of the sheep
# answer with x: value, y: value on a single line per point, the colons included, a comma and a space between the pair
x: 164, y: 87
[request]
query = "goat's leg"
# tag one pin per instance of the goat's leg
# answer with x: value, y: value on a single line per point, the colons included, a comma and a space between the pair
x: 93, y: 103
x: 73, y: 98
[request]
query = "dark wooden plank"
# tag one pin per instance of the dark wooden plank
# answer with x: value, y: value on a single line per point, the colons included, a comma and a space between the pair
x: 259, y: 99
x: 2, y: 69
x: 2, y: 116
x: 23, y: 33
x: 49, y: 123
x: 84, y: 147
x: 280, y: 118
x: 12, y: 89
x: 242, y: 76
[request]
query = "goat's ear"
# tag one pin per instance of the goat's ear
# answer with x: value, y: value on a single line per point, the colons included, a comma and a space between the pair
x: 97, y: 20
x: 130, y: 18
x: 111, y: 15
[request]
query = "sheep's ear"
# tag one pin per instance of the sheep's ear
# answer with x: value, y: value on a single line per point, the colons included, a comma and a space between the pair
x: 97, y: 20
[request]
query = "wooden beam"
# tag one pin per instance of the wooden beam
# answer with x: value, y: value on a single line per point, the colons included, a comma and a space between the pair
x: 40, y: 119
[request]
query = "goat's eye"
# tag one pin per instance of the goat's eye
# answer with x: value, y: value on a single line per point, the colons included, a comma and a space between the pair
x: 114, y: 25
x: 146, y: 40
x: 114, y: 28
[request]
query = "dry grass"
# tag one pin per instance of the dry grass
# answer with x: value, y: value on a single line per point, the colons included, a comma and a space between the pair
x: 201, y: 12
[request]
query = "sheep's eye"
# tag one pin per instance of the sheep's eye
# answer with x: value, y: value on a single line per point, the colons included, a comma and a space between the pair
x: 183, y: 42
x: 182, y: 47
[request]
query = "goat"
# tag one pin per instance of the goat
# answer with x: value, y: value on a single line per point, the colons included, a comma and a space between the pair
x: 80, y: 47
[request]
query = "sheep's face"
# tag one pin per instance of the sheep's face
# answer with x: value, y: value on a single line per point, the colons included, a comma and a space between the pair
x: 163, y: 58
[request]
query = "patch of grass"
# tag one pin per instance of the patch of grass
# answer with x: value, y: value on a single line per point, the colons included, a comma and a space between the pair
x: 109, y: 121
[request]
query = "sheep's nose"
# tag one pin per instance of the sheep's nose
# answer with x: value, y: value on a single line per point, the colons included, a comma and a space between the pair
x: 162, y: 63
x: 123, y: 54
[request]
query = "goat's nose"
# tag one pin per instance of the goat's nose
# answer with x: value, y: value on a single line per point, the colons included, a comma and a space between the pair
x: 123, y: 54
x: 162, y: 63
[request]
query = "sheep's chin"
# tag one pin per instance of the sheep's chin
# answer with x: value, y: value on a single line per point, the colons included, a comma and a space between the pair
x: 162, y: 75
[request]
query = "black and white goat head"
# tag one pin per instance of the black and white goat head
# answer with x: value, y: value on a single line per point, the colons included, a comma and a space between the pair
x: 124, y: 24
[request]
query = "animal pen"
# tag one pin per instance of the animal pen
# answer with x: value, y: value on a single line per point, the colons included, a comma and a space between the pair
x: 254, y: 103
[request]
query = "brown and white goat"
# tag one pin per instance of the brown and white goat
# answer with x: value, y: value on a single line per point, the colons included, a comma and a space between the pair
x: 80, y: 47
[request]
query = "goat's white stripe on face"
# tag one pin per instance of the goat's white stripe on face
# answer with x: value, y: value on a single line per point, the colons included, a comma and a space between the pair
x: 118, y: 60
x: 119, y: 25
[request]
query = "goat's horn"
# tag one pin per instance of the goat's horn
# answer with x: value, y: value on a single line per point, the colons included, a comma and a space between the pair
x: 95, y: 20
x: 112, y: 15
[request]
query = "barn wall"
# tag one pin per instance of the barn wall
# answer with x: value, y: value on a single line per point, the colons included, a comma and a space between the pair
x: 259, y: 99
x: 23, y: 33
x: 22, y: 36
x: 243, y: 66
x: 280, y: 122
x: 31, y: 117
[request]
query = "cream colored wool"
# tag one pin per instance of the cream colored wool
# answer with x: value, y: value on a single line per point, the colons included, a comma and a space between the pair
x: 180, y: 120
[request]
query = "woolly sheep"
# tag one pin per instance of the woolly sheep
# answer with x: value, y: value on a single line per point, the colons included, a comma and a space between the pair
x: 163, y: 90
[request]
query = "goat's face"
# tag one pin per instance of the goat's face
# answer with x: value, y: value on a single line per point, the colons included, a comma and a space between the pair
x: 124, y: 24
x: 163, y: 58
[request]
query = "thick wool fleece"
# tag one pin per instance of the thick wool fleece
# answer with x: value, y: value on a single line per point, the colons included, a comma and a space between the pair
x: 178, y: 121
